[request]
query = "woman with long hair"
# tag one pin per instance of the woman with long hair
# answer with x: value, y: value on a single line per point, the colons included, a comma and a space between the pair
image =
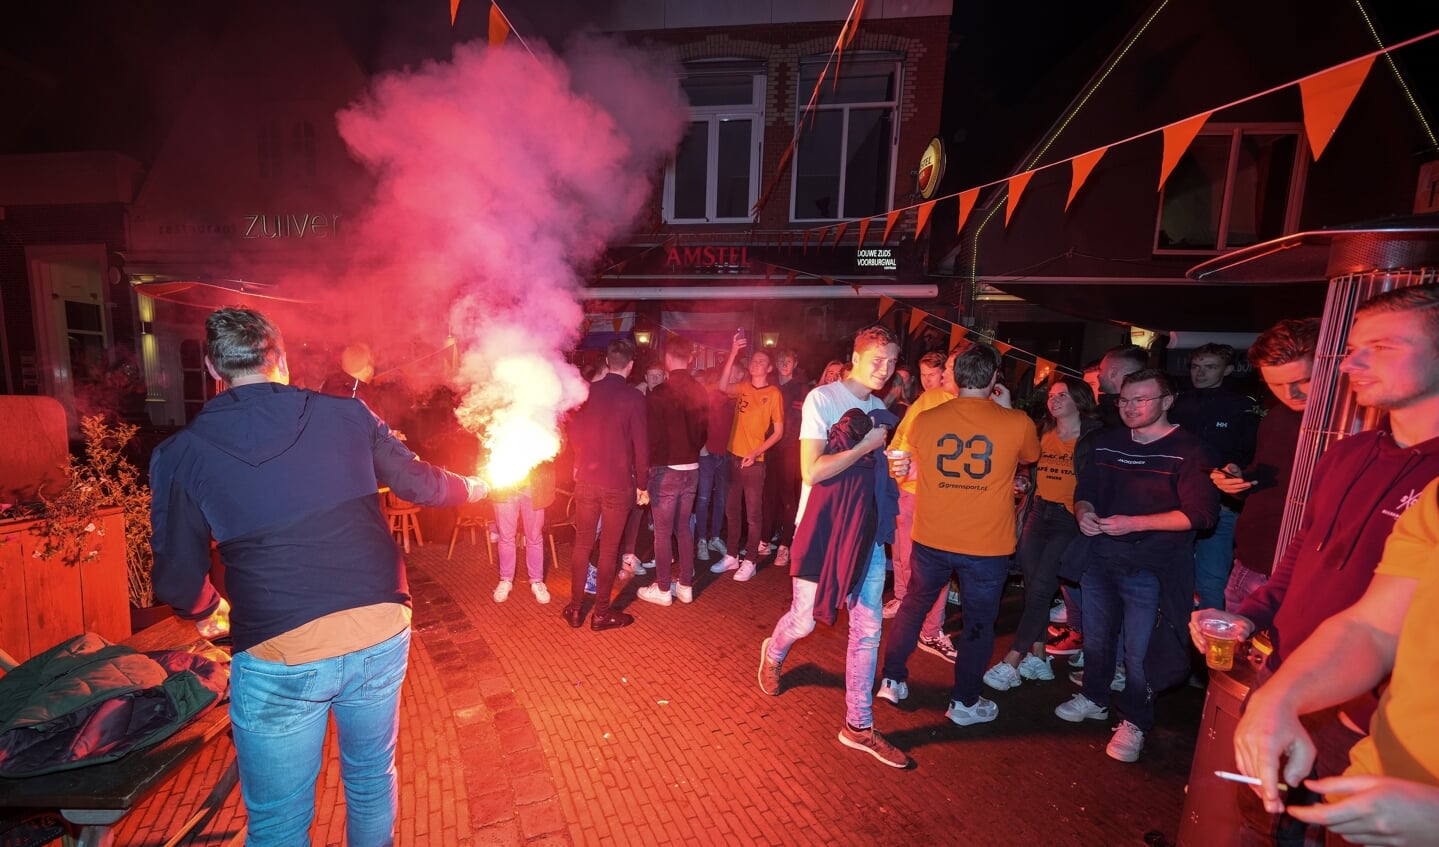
x: 903, y: 388
x: 1048, y: 528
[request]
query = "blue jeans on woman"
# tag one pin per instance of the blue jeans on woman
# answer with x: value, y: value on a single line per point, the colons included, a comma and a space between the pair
x: 279, y: 714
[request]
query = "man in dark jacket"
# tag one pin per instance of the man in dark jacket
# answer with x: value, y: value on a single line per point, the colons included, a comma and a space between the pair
x: 678, y: 413
x: 285, y: 481
x: 609, y: 435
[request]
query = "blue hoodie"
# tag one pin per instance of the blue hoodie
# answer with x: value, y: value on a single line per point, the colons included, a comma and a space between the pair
x: 285, y: 481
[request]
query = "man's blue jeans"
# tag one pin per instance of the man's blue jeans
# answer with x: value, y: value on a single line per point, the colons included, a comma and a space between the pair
x: 861, y: 654
x: 711, y: 495
x: 981, y: 583
x: 1213, y: 557
x: 1119, y: 602
x: 672, y: 494
x: 279, y: 714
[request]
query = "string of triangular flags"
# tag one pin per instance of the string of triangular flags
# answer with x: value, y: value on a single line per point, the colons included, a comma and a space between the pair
x: 1325, y: 97
x: 959, y: 333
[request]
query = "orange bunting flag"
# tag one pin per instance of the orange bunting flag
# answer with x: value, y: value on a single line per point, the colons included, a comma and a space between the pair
x: 454, y: 10
x: 1327, y: 96
x: 618, y: 322
x: 924, y: 211
x: 1002, y: 347
x: 806, y: 242
x: 916, y: 320
x: 585, y: 326
x: 1020, y: 369
x: 856, y: 286
x: 1177, y: 138
x: 789, y: 277
x: 966, y: 205
x: 1017, y: 184
x: 499, y: 26
x: 1042, y: 369
x: 1083, y: 164
x: 957, y: 335
x: 839, y: 232
x: 821, y: 236
x: 829, y: 280
x: 863, y: 231
x: 889, y: 224
x: 885, y: 304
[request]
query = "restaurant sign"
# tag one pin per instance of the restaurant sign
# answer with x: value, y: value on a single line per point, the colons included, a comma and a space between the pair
x: 703, y: 257
x: 876, y: 258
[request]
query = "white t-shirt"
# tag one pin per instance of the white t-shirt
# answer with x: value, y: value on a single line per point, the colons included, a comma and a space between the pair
x: 823, y: 408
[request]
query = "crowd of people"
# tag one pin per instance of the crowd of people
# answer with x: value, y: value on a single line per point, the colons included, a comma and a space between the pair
x: 1134, y: 508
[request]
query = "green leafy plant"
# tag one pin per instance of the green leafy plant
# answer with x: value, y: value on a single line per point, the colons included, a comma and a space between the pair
x: 102, y: 479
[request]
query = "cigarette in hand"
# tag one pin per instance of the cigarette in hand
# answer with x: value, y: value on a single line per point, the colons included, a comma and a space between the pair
x: 1247, y: 780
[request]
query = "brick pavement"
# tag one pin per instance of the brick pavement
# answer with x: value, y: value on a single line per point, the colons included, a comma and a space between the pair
x: 517, y: 729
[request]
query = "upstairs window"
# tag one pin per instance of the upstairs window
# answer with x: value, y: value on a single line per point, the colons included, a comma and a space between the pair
x: 1235, y: 186
x: 845, y: 160
x: 715, y: 173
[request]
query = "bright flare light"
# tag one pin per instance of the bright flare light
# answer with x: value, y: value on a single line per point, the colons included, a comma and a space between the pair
x: 513, y: 405
x: 516, y: 446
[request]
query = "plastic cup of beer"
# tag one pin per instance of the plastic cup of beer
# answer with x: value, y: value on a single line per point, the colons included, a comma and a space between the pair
x: 1223, y: 637
x: 896, y: 458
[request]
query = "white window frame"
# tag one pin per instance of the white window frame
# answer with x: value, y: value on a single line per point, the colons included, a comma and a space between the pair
x: 1298, y: 173
x: 802, y: 99
x: 713, y: 116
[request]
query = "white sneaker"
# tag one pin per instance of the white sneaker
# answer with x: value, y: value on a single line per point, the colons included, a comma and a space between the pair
x: 763, y: 548
x: 702, y: 551
x: 745, y: 572
x: 718, y: 546
x: 728, y: 563
x: 542, y: 594
x: 684, y: 593
x: 1128, y: 740
x: 632, y: 562
x: 1079, y: 707
x: 1033, y: 667
x: 781, y: 557
x: 1059, y: 613
x: 1002, y: 677
x: 502, y: 591
x: 1116, y: 684
x: 983, y: 711
x: 654, y: 594
x: 892, y: 691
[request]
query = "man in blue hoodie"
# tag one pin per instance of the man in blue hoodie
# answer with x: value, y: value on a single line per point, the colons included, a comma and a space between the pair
x: 285, y: 481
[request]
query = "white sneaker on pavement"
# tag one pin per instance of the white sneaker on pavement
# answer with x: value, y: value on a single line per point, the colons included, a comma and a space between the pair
x: 745, y: 572
x: 1079, y: 707
x: 502, y: 591
x: 1033, y: 667
x: 718, y: 546
x: 702, y: 551
x: 542, y: 594
x: 654, y: 594
x: 1128, y: 740
x: 728, y: 563
x: 1002, y: 677
x: 983, y: 711
x: 684, y: 593
x: 892, y: 691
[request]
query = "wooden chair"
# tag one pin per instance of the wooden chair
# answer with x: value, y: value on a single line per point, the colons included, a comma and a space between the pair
x: 403, y: 517
x: 473, y: 516
x: 567, y: 521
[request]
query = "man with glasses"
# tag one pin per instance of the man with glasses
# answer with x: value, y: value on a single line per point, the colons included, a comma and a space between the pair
x: 1139, y: 503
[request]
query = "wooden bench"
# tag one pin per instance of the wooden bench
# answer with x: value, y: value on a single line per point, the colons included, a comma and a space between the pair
x: 92, y: 800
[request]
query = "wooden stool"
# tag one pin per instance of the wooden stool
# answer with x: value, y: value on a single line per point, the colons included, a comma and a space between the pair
x: 404, y: 520
x: 472, y: 518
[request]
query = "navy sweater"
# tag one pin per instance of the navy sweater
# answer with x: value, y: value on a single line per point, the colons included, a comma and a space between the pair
x: 609, y: 434
x: 1170, y: 474
x: 286, y: 481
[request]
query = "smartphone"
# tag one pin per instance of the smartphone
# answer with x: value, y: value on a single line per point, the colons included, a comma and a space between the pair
x: 1230, y: 473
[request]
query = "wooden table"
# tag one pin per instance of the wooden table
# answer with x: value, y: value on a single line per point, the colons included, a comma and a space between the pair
x: 93, y: 799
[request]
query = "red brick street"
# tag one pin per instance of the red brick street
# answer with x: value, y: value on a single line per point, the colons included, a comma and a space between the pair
x: 517, y: 729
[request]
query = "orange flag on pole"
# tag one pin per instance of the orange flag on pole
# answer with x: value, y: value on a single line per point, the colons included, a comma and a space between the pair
x: 1327, y: 96
x: 916, y: 320
x: 966, y: 205
x: 889, y: 225
x: 923, y: 219
x: 499, y: 26
x: 885, y: 304
x: 1017, y: 184
x: 1083, y: 164
x: 1177, y: 138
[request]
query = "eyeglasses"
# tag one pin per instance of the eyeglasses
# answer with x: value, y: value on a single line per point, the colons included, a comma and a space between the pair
x: 1138, y: 401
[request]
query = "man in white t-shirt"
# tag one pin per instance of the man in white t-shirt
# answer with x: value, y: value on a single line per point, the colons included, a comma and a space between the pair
x: 876, y: 351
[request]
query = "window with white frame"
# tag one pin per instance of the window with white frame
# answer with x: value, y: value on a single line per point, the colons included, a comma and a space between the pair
x: 844, y: 162
x: 714, y: 176
x: 1235, y: 186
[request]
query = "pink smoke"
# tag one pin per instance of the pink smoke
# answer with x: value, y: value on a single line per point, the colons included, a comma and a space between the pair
x: 500, y: 177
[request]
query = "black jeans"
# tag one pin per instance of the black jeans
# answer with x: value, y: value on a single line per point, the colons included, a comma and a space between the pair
x: 747, y: 484
x: 605, y: 509
x: 1048, y: 529
x: 781, y: 491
